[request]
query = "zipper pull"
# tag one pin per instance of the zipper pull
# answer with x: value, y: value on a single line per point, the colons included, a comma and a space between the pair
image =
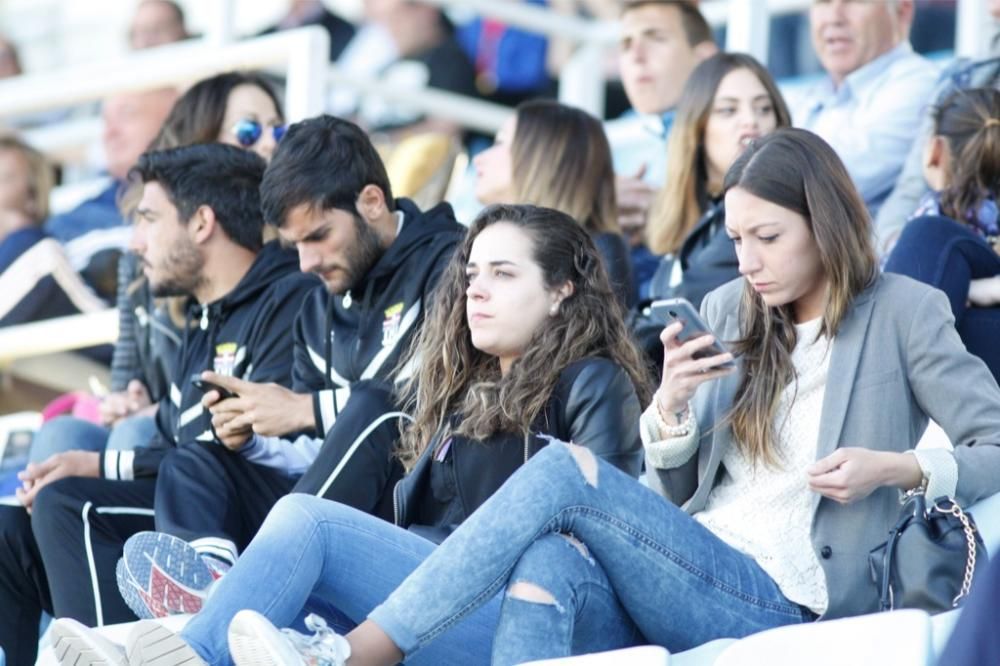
x: 204, y: 318
x: 347, y: 299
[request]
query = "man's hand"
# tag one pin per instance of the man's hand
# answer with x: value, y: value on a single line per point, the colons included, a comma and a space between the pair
x: 851, y: 474
x: 116, y: 406
x: 269, y: 409
x: 635, y: 198
x: 231, y: 427
x: 58, y: 466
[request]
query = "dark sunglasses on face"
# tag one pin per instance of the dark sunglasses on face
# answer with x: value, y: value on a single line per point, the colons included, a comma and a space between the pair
x: 248, y: 132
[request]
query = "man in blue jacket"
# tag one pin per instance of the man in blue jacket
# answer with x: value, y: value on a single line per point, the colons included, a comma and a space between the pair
x: 198, y: 232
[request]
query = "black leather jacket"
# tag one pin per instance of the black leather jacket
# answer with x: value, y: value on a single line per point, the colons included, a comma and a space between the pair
x: 594, y: 404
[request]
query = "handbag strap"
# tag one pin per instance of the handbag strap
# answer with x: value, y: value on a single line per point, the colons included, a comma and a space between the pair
x: 970, y: 539
x: 886, y: 601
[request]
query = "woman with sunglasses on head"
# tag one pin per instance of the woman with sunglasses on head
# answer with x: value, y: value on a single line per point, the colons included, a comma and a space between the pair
x: 238, y: 108
x: 552, y: 155
x: 952, y: 241
x: 779, y: 475
x: 524, y: 343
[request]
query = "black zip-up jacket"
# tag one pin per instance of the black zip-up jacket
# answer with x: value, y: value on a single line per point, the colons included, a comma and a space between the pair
x: 593, y: 404
x: 708, y: 260
x: 342, y: 339
x: 244, y: 334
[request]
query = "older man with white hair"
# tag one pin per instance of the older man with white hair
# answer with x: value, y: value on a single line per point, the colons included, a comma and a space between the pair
x: 870, y: 105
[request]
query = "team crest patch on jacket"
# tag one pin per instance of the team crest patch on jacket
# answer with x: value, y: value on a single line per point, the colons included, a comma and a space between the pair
x: 224, y: 362
x: 390, y: 324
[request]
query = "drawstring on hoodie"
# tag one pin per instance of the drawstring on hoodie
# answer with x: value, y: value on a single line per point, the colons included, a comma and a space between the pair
x: 328, y: 348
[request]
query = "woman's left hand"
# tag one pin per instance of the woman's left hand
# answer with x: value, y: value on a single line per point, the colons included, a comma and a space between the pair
x: 851, y: 474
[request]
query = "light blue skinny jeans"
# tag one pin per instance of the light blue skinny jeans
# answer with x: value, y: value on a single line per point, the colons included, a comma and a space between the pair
x: 675, y: 580
x: 314, y: 555
x: 641, y: 570
x: 67, y: 433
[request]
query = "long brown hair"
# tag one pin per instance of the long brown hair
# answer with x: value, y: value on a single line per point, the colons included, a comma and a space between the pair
x: 796, y: 170
x: 684, y: 196
x: 969, y: 120
x: 454, y: 377
x: 561, y: 159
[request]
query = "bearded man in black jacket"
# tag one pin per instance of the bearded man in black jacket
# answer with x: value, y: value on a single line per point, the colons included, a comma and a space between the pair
x: 327, y: 192
x: 198, y: 231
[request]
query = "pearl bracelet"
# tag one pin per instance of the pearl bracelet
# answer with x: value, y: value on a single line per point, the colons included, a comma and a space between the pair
x: 679, y: 430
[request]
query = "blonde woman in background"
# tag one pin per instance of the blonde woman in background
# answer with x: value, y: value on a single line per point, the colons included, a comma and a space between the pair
x: 552, y: 155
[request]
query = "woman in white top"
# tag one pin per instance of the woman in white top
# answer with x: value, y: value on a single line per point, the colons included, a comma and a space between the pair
x: 781, y: 473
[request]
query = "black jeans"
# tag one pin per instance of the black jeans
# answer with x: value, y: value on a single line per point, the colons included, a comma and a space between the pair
x: 62, y: 558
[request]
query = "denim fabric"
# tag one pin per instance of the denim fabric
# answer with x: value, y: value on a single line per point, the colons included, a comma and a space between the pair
x: 680, y: 584
x: 314, y: 555
x: 67, y: 433
x: 584, y: 616
x: 131, y: 432
x: 945, y: 254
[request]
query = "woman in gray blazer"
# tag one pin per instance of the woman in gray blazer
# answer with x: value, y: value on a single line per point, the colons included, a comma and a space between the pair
x: 782, y: 472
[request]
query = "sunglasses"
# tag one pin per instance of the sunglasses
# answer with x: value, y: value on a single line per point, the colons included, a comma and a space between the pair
x: 248, y: 132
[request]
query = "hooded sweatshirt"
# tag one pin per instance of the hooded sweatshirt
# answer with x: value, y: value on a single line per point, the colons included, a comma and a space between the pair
x: 244, y: 334
x: 341, y: 339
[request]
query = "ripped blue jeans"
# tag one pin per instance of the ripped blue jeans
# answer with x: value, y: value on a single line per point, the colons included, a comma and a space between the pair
x: 587, y: 559
x: 314, y: 555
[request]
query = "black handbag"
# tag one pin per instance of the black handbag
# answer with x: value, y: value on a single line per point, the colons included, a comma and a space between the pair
x: 931, y: 557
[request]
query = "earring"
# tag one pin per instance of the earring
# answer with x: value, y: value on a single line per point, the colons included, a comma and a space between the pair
x: 554, y: 310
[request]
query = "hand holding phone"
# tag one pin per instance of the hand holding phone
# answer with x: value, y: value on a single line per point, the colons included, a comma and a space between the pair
x: 205, y: 387
x: 692, y: 356
x: 680, y: 310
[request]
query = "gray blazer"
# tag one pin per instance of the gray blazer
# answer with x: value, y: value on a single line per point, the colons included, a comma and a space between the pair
x: 896, y: 361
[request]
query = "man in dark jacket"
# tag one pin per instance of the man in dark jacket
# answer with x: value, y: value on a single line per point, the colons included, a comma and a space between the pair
x: 198, y: 231
x: 327, y: 192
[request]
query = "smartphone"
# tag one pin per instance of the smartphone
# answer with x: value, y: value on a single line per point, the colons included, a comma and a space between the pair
x: 680, y: 309
x: 205, y: 387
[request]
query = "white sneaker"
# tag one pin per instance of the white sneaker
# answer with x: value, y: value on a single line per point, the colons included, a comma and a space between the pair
x: 152, y: 644
x: 254, y: 641
x: 75, y: 644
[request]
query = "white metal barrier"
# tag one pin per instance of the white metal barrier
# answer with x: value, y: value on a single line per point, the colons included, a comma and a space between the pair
x: 304, y: 53
x: 308, y: 73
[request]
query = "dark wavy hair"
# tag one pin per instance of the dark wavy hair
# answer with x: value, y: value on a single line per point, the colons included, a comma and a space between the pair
x: 456, y: 378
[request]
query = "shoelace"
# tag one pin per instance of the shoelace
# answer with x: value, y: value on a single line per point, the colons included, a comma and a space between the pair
x: 324, y: 648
